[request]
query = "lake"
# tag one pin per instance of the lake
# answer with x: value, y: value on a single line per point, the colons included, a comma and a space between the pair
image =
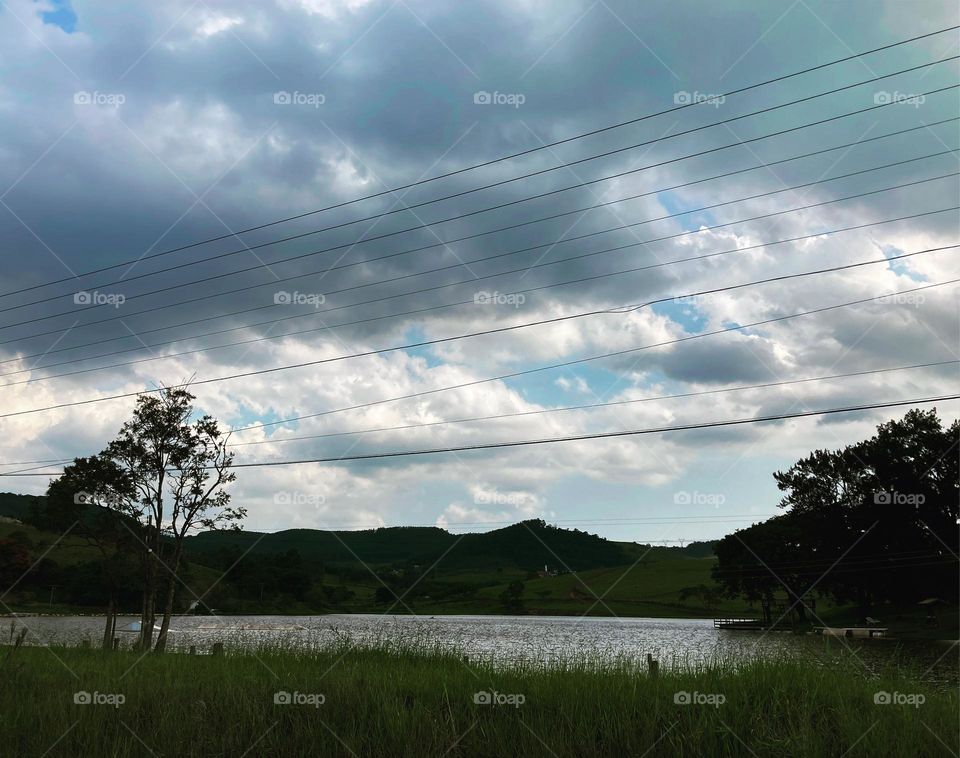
x: 546, y: 640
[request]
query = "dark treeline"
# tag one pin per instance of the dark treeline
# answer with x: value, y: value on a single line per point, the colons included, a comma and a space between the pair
x: 869, y: 524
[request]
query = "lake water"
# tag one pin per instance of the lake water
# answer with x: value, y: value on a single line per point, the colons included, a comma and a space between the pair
x: 510, y: 639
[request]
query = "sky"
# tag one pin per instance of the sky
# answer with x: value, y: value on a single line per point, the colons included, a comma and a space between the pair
x: 128, y: 132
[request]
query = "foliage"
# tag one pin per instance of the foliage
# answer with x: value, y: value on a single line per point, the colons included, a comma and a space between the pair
x: 872, y: 523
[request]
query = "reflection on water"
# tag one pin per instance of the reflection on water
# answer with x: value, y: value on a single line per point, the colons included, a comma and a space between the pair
x: 514, y: 639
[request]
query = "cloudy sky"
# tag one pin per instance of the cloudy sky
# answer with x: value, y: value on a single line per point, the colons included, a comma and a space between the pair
x: 129, y: 131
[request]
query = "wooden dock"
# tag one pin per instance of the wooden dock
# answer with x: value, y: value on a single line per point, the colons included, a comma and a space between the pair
x: 743, y: 624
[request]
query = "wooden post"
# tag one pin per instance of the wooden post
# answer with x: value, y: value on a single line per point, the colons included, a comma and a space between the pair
x: 217, y: 648
x: 653, y: 665
x: 193, y: 650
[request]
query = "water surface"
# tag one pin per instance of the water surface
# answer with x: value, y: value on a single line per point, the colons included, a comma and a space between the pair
x: 546, y: 640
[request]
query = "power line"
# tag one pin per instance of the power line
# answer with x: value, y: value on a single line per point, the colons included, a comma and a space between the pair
x: 606, y: 435
x: 278, y: 280
x: 590, y: 406
x: 498, y: 160
x: 582, y: 437
x: 424, y: 343
x: 457, y: 265
x: 543, y: 411
x: 556, y: 319
x: 421, y: 226
x: 425, y: 309
x: 734, y: 328
x: 603, y: 435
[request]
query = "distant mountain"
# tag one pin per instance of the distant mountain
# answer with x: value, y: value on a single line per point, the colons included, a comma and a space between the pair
x: 528, y: 545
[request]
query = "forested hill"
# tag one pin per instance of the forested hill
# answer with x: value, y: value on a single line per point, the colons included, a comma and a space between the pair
x: 527, y: 545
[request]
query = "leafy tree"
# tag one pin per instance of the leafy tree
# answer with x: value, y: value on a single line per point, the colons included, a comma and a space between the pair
x: 873, y: 522
x: 707, y: 595
x: 512, y: 596
x: 198, y: 497
x: 162, y: 477
x: 95, y: 499
x: 14, y: 563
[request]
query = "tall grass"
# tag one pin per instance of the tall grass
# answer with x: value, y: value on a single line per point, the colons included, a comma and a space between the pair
x: 413, y: 700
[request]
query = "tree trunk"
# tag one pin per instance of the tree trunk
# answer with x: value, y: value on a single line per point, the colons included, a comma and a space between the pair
x: 168, y: 603
x: 149, y: 599
x: 111, y: 622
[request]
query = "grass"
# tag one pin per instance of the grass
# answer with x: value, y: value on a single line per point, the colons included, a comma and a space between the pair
x: 405, y: 700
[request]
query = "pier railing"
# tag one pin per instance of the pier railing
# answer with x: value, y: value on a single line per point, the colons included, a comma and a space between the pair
x: 719, y: 623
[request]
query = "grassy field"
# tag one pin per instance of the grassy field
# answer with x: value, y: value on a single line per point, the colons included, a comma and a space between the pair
x: 409, y: 702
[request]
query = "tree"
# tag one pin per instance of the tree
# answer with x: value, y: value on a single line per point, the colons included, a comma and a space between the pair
x: 97, y: 500
x: 706, y: 594
x: 764, y: 559
x: 872, y: 522
x: 199, y: 499
x: 512, y: 596
x: 150, y: 445
x: 14, y: 563
x: 162, y: 477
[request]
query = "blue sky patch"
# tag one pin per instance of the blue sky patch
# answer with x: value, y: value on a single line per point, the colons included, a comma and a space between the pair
x: 61, y: 15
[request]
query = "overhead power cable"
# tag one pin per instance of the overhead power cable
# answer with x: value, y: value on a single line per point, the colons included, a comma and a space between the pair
x: 583, y: 437
x: 498, y: 330
x: 552, y: 217
x: 529, y: 151
x: 421, y: 226
x: 543, y: 411
x: 591, y: 406
x: 541, y: 322
x: 324, y: 327
x: 608, y: 435
x: 577, y: 361
x: 700, y: 230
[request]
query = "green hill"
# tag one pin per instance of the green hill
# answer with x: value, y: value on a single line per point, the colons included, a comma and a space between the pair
x: 398, y: 569
x: 528, y: 546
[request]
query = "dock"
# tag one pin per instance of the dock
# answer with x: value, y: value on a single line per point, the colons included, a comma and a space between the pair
x: 744, y: 624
